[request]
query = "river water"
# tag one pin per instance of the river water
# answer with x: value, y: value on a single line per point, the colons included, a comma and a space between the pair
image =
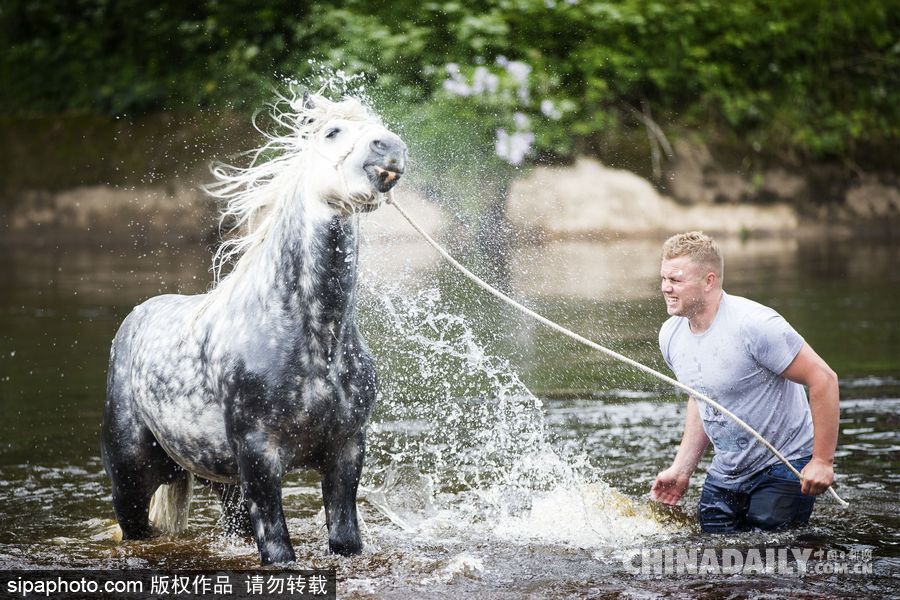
x: 504, y: 460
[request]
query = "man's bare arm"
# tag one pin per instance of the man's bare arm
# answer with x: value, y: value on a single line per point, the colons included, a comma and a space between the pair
x: 671, y: 484
x: 809, y: 369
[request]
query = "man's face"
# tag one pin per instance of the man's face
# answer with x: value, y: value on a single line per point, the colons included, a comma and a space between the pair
x: 683, y: 286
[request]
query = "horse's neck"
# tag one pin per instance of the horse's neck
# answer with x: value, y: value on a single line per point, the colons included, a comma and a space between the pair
x: 305, y: 273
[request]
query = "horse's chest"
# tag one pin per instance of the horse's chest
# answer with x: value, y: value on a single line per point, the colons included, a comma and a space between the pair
x: 310, y: 396
x: 326, y: 400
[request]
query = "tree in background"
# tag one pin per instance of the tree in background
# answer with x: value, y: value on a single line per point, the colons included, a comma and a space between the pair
x: 819, y: 76
x: 484, y: 87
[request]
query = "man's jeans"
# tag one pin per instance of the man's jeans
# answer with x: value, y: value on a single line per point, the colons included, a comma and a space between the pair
x: 769, y: 499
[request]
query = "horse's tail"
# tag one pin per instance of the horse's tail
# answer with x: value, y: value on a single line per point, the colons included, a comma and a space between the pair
x: 170, y: 503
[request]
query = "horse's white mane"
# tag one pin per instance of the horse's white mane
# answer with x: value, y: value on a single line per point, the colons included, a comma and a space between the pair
x: 251, y: 197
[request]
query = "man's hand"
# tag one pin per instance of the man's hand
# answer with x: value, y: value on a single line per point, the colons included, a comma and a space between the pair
x: 670, y: 486
x: 816, y: 477
x: 809, y: 369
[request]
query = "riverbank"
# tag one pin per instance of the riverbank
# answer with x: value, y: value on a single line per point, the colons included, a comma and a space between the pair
x: 584, y: 201
x: 84, y: 180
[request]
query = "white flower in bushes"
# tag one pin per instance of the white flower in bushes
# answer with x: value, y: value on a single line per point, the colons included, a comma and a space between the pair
x: 513, y: 148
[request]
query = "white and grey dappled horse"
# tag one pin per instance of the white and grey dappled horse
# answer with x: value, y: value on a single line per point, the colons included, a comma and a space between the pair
x: 267, y: 372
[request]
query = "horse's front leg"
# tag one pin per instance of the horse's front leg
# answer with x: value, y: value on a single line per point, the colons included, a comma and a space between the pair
x: 340, y: 481
x: 261, y: 472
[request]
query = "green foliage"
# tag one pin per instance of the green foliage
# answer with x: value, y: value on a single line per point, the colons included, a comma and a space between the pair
x: 820, y: 77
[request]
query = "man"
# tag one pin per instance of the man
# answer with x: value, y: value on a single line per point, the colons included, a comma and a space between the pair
x: 749, y: 359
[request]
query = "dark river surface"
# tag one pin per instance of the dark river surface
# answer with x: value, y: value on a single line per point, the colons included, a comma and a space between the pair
x: 504, y: 460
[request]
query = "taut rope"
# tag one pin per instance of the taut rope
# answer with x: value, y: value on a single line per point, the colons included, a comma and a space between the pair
x: 500, y: 295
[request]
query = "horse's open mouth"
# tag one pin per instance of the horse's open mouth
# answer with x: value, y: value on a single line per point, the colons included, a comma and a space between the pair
x: 382, y: 179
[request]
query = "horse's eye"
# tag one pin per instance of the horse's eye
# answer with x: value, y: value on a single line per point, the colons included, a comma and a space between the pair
x: 332, y: 133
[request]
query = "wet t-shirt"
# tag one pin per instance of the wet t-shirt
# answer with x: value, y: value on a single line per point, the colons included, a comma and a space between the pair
x: 738, y: 362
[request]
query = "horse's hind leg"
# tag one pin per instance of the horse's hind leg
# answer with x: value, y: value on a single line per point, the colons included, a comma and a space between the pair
x: 136, y: 473
x: 136, y: 466
x: 339, y: 486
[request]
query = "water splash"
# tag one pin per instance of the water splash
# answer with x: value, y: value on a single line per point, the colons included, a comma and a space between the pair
x: 463, y: 443
x: 332, y: 81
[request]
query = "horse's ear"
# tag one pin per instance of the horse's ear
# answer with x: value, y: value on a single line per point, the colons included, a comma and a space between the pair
x: 308, y: 104
x: 311, y: 101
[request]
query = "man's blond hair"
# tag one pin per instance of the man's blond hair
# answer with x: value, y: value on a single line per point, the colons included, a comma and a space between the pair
x: 701, y: 248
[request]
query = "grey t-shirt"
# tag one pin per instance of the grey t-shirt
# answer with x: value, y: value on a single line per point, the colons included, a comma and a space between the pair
x: 738, y: 363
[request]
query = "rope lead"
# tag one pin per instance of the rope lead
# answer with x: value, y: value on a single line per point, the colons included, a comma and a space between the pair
x: 633, y: 363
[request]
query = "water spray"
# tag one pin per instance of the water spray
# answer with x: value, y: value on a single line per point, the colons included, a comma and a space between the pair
x: 583, y: 340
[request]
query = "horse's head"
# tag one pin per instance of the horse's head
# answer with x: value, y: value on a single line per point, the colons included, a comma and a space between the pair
x: 352, y: 157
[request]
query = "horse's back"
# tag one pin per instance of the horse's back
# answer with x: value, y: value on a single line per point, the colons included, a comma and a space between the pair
x: 174, y: 307
x: 157, y: 321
